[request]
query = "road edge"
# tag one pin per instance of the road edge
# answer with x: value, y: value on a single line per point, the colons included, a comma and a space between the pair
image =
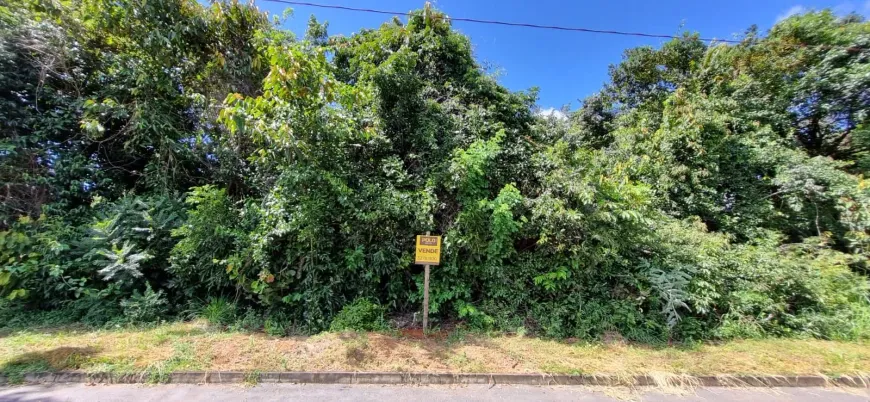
x: 396, y: 378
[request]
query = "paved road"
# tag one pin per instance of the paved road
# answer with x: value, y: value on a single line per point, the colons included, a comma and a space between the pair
x: 377, y: 393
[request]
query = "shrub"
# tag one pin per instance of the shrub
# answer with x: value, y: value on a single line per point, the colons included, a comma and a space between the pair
x: 691, y: 198
x: 201, y: 259
x: 277, y: 324
x: 145, y: 307
x: 252, y: 320
x: 95, y: 310
x: 475, y: 318
x: 219, y: 312
x: 89, y: 310
x: 361, y: 315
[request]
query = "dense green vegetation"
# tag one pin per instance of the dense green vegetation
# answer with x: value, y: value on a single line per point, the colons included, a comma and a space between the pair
x: 162, y: 158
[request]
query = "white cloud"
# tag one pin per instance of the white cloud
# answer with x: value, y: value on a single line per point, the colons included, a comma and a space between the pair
x: 553, y: 112
x: 842, y: 9
x: 791, y: 11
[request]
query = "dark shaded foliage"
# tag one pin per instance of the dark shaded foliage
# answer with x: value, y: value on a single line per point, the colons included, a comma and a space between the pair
x: 158, y: 154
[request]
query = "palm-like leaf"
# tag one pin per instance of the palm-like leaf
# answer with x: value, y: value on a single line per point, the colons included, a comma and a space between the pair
x: 123, y: 261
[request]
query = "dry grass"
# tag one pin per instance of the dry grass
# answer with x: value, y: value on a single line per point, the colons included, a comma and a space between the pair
x: 192, y: 346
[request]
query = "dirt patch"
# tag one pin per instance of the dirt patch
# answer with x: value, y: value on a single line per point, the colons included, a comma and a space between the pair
x: 403, y: 354
x: 412, y: 333
x: 418, y: 334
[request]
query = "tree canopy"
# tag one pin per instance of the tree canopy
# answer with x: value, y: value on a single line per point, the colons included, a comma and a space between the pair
x: 161, y: 154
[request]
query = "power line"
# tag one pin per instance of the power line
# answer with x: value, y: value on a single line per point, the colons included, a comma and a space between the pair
x: 513, y: 24
x: 552, y: 27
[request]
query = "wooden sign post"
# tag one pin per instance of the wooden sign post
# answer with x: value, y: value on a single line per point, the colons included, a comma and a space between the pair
x: 425, y: 297
x: 428, y: 252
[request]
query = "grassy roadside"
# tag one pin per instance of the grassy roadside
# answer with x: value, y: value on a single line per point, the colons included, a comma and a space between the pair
x: 163, y: 349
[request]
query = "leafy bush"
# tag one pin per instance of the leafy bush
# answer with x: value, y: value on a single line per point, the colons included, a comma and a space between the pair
x: 277, y: 324
x: 95, y: 310
x: 360, y: 315
x: 90, y: 310
x: 219, y: 312
x: 145, y: 307
x: 251, y: 320
x: 203, y: 255
x: 707, y: 191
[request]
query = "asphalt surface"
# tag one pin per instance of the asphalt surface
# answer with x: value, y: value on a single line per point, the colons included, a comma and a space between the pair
x: 378, y: 393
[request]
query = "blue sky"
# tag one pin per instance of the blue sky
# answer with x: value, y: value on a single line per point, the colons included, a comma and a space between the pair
x: 568, y: 66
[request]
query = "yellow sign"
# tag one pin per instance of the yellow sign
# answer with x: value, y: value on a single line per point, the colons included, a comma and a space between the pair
x: 428, y: 250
